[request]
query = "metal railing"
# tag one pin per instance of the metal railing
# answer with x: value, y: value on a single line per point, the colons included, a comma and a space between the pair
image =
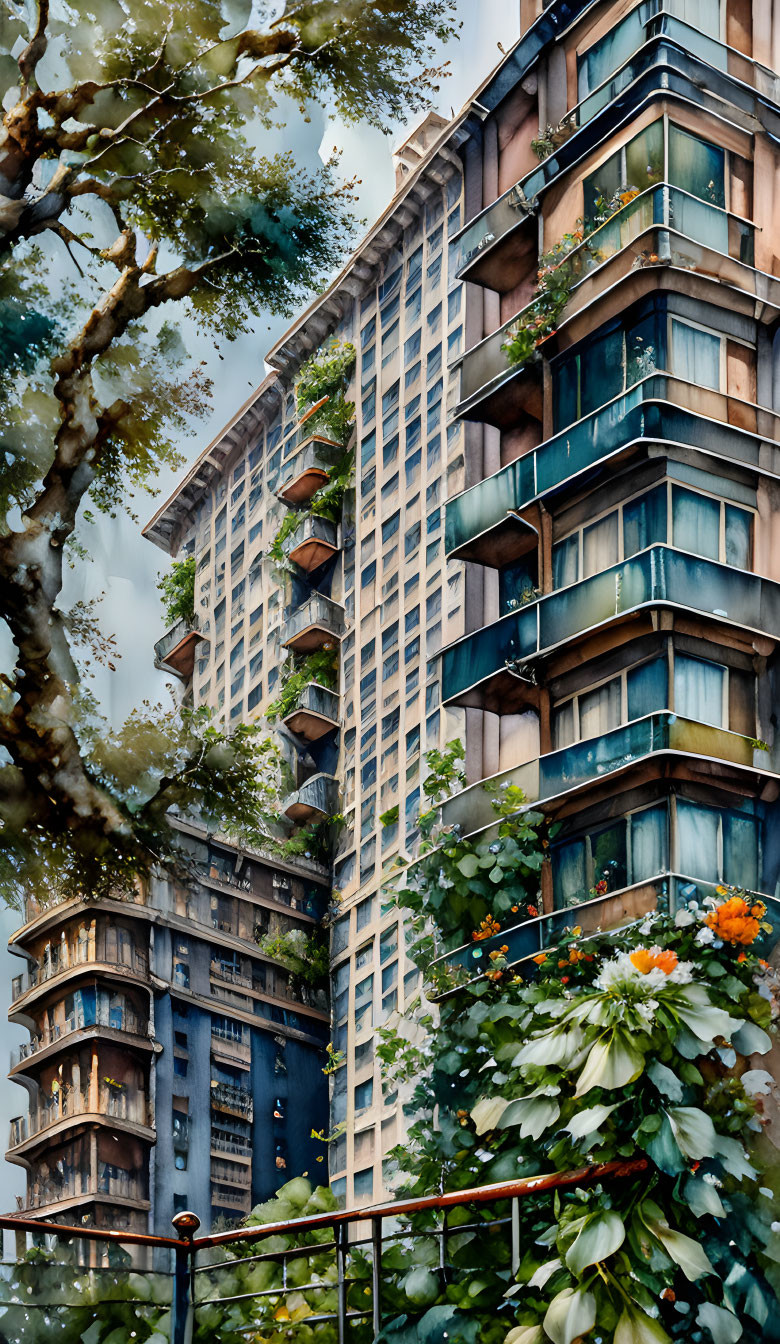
x: 336, y: 1267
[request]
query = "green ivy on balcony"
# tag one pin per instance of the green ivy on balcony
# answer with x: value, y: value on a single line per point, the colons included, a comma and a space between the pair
x: 178, y: 591
x: 321, y: 666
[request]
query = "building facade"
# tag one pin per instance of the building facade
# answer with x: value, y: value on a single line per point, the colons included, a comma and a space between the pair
x: 566, y: 561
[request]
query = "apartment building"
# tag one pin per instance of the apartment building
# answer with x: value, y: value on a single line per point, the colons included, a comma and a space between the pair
x: 567, y: 561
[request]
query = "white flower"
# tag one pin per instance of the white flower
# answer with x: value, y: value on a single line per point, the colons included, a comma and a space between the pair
x: 685, y: 917
x: 705, y: 936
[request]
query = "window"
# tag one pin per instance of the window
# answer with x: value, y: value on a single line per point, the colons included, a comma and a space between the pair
x: 364, y: 1095
x: 412, y: 348
x: 697, y: 355
x: 626, y: 851
x: 700, y: 690
x: 390, y: 527
x: 717, y: 845
x: 414, y: 306
x: 389, y: 343
x: 634, y: 693
x: 389, y: 636
x: 608, y: 54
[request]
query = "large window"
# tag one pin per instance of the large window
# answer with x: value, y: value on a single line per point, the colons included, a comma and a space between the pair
x: 669, y: 513
x: 717, y: 845
x: 612, y: 50
x: 687, y: 161
x: 626, y: 851
x: 630, y: 695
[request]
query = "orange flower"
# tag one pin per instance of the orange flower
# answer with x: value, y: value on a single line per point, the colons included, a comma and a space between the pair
x: 541, y: 959
x: 645, y: 961
x: 487, y: 929
x: 735, y: 921
x: 532, y: 910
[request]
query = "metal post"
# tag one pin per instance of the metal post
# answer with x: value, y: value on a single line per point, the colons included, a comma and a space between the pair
x: 515, y: 1235
x: 186, y: 1224
x: 376, y: 1274
x: 340, y: 1237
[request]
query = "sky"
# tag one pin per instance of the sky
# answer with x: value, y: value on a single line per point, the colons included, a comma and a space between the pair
x: 124, y: 566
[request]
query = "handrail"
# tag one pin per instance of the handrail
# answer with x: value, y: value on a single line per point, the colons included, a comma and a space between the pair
x: 483, y: 1194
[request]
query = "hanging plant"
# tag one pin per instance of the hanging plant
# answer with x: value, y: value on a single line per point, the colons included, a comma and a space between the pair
x: 320, y: 666
x: 327, y: 375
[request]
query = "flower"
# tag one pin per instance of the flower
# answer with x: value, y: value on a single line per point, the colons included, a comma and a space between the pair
x: 645, y: 959
x: 704, y: 936
x: 540, y: 959
x: 488, y: 927
x: 646, y: 968
x: 684, y: 917
x: 735, y: 921
x: 532, y: 910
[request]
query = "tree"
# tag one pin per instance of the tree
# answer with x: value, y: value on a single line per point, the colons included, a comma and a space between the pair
x: 128, y: 167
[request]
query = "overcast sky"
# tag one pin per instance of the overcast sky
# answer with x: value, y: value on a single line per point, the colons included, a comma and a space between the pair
x: 124, y: 566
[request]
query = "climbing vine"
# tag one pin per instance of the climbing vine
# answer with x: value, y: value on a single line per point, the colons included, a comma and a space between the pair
x: 178, y: 591
x: 304, y: 955
x: 298, y: 671
x: 323, y: 383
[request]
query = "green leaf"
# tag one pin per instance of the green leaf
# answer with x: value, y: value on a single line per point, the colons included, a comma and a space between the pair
x: 663, y: 1150
x: 468, y: 865
x: 722, y: 1324
x: 422, y: 1287
x: 602, y: 1234
x: 751, y: 1040
x: 588, y: 1120
x: 524, y: 1334
x: 703, y: 1198
x: 487, y: 1112
x: 533, y: 1114
x: 540, y: 1276
x: 694, y: 1132
x: 667, y: 1083
x: 636, y: 1327
x: 696, y: 1010
x: 571, y: 1313
x: 557, y: 1046
x: 685, y: 1252
x: 612, y: 1063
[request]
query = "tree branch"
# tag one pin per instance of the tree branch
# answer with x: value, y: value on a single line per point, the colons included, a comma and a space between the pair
x: 33, y: 52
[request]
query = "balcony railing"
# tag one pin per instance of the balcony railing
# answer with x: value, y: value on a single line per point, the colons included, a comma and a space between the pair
x: 119, y: 1103
x: 175, y: 652
x: 313, y: 542
x: 481, y: 669
x: 316, y: 712
x: 227, y: 1097
x: 70, y: 958
x: 126, y: 1022
x: 82, y: 1185
x: 479, y: 522
x: 230, y: 1172
x: 585, y: 763
x: 669, y: 47
x: 220, y: 971
x: 317, y: 622
x: 309, y: 470
x: 597, y: 917
x: 485, y: 367
x: 219, y: 1145
x: 228, y: 1043
x: 317, y: 797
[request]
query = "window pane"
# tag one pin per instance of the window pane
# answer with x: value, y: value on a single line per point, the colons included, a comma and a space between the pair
x: 608, y: 55
x: 564, y: 558
x: 645, y: 157
x: 697, y: 842
x: 697, y: 166
x: 563, y: 726
x: 609, y: 856
x: 600, y: 545
x: 646, y: 688
x: 648, y: 843
x: 600, y: 709
x: 740, y: 850
x: 695, y: 522
x: 601, y: 371
x: 569, y: 873
x: 644, y: 521
x: 695, y: 354
x: 738, y: 525
x: 698, y: 690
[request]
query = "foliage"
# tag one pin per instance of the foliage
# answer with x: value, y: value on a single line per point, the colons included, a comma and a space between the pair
x: 300, y: 669
x: 132, y: 159
x: 327, y: 501
x: 551, y: 137
x: 637, y: 1044
x: 178, y: 591
x: 304, y: 955
x: 558, y: 273
x: 323, y: 383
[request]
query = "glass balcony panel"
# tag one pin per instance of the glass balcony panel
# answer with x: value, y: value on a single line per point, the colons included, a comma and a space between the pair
x: 658, y: 575
x: 312, y: 543
x: 309, y: 470
x: 316, y: 622
x: 316, y: 797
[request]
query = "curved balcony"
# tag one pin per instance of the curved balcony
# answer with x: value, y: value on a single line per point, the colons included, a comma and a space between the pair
x: 586, y: 763
x: 663, y: 223
x: 315, y: 714
x: 597, y: 917
x: 309, y: 470
x: 481, y: 523
x: 235, y: 1046
x: 316, y: 799
x: 491, y: 244
x: 132, y: 1031
x: 116, y: 1107
x: 175, y: 652
x: 317, y: 622
x: 313, y: 542
x: 491, y: 668
x: 76, y: 961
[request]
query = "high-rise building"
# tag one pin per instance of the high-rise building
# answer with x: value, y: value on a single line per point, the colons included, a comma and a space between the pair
x: 564, y: 327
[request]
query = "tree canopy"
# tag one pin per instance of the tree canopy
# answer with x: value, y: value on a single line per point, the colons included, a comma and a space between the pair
x: 133, y: 185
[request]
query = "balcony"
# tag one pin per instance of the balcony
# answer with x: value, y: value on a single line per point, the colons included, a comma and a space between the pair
x: 490, y: 246
x: 313, y: 542
x: 481, y: 524
x: 234, y: 1046
x: 309, y: 470
x: 316, y: 623
x: 63, y: 959
x: 81, y: 1186
x: 219, y: 971
x: 230, y: 1173
x: 232, y: 1100
x: 175, y: 652
x: 485, y: 669
x: 114, y: 1103
x: 586, y: 763
x: 315, y: 714
x: 661, y: 222
x: 126, y: 1022
x: 237, y: 1150
x: 316, y: 799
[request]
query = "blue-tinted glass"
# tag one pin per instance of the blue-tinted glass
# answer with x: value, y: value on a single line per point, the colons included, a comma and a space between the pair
x: 698, y: 689
x: 695, y: 522
x: 608, y: 848
x: 738, y: 529
x: 646, y: 688
x: 644, y: 521
x: 565, y: 561
x: 740, y: 850
x: 697, y: 166
x: 649, y: 847
x: 697, y: 842
x: 568, y: 865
